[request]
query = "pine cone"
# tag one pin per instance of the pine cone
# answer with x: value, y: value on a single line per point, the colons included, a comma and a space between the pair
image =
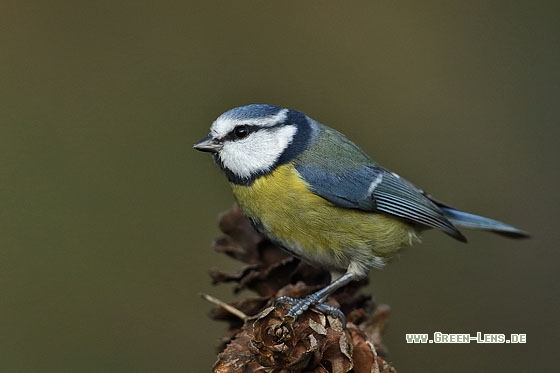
x: 267, y: 342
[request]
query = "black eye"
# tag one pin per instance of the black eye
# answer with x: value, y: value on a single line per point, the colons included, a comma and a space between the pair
x: 241, y: 132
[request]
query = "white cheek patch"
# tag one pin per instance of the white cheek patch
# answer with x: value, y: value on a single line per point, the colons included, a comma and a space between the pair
x: 258, y: 152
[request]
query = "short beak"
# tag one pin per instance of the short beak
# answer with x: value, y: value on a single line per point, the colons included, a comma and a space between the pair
x: 208, y: 144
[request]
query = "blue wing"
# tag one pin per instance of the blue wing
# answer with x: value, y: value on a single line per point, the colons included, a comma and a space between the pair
x: 373, y: 188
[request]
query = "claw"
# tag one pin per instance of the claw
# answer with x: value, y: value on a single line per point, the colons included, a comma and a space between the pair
x: 284, y: 299
x: 299, y: 306
x: 332, y: 311
x: 316, y: 299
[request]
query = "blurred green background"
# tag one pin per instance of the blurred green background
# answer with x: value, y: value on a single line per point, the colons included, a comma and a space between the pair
x: 107, y: 214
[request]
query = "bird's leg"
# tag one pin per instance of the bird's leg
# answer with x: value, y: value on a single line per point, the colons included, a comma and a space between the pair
x: 316, y: 299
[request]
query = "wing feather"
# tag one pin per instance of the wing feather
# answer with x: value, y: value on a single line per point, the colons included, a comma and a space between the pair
x: 373, y: 188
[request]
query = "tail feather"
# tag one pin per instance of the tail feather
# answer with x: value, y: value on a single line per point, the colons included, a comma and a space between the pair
x: 467, y: 220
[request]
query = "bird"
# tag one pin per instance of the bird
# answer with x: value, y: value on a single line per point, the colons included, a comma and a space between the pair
x: 316, y: 194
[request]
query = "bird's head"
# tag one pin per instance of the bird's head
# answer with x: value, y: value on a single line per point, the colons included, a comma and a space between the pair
x: 250, y: 141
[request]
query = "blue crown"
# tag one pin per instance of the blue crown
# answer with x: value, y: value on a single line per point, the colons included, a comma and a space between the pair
x: 252, y: 111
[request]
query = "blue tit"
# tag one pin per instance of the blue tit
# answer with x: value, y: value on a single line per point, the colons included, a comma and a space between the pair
x: 316, y: 194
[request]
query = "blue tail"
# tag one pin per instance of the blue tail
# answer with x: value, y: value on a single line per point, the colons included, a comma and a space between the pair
x: 464, y: 219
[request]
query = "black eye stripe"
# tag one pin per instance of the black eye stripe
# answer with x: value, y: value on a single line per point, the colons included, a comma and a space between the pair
x: 241, y: 131
x: 232, y: 136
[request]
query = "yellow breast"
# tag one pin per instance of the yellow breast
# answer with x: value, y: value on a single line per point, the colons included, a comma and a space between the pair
x: 317, y: 230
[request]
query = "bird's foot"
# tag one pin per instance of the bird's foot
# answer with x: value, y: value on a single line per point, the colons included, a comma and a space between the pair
x: 299, y: 306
